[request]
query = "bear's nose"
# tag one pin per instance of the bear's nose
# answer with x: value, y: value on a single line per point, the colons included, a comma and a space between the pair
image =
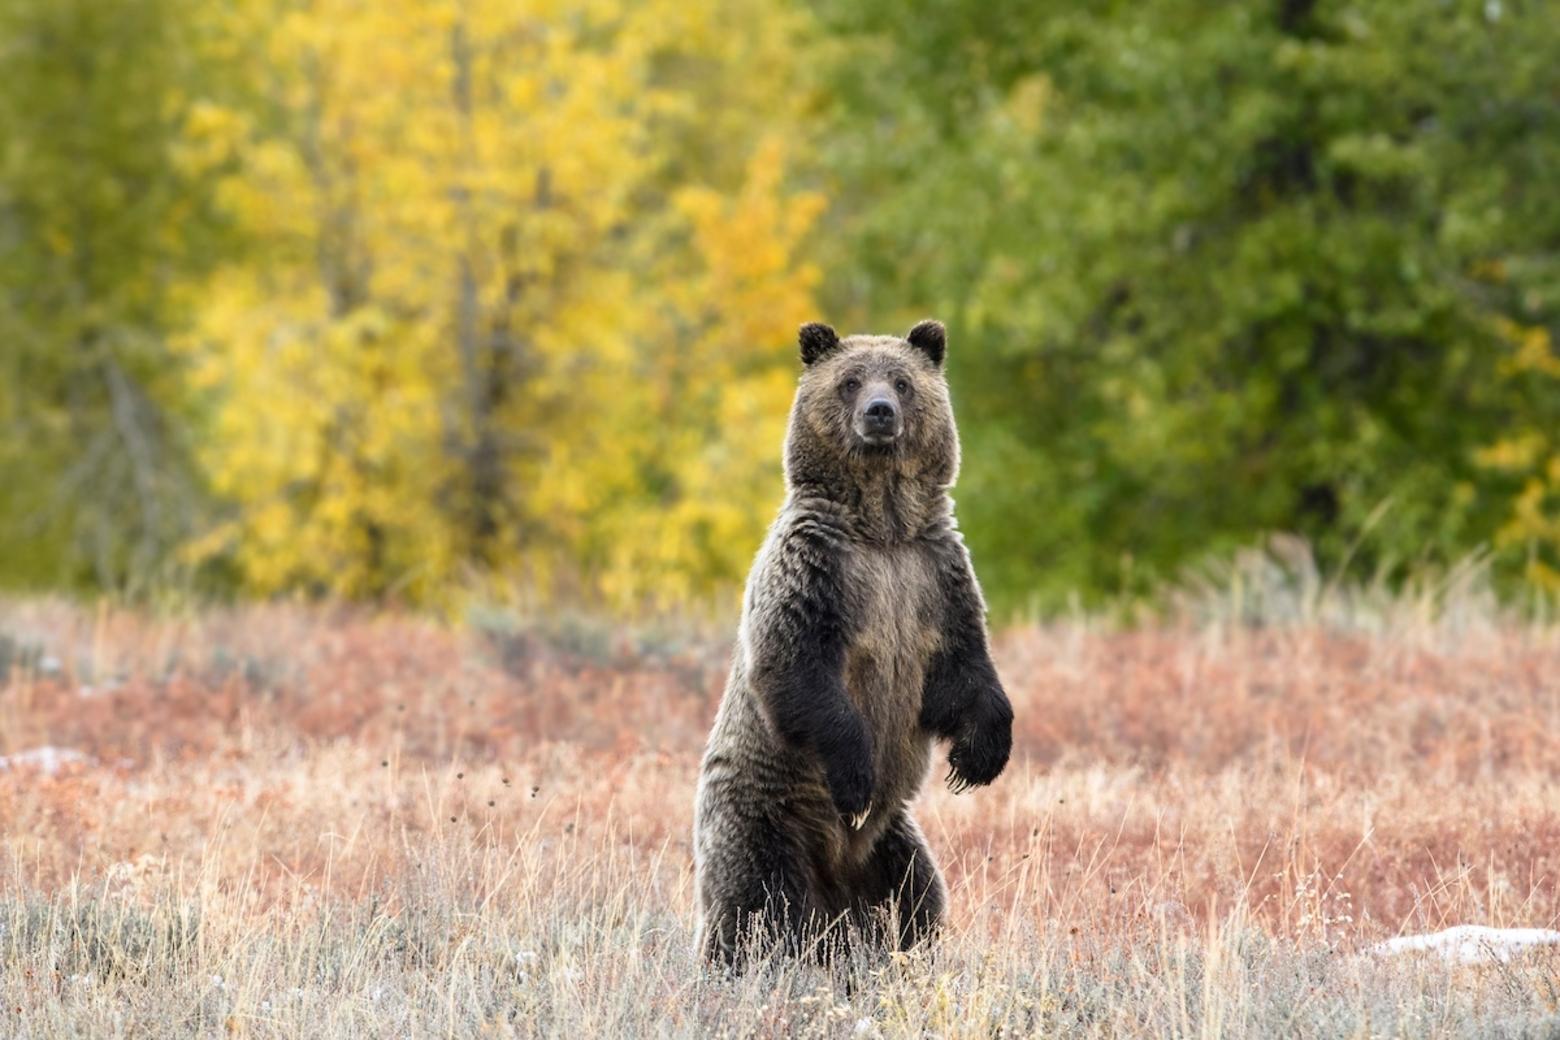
x: 880, y: 411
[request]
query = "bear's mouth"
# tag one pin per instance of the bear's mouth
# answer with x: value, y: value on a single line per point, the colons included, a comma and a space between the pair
x: 877, y: 432
x: 877, y: 438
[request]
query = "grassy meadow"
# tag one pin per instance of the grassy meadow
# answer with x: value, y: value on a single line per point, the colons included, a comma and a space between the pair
x: 290, y: 821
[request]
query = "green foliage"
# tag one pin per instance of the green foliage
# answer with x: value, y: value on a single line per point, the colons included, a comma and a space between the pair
x: 98, y: 225
x: 1215, y: 270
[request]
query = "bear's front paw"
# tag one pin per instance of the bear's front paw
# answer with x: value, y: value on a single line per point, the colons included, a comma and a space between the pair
x: 850, y: 785
x: 981, y: 750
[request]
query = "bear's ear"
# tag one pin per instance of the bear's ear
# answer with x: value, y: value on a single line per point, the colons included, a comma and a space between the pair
x: 817, y: 341
x: 930, y: 338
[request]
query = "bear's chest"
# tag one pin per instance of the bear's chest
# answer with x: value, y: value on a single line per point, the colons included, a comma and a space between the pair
x: 896, y: 613
x: 894, y: 606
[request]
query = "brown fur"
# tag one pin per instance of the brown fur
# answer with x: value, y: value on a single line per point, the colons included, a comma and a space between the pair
x: 862, y: 641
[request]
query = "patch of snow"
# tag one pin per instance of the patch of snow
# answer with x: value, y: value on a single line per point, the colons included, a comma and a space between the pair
x: 46, y: 759
x: 1471, y: 943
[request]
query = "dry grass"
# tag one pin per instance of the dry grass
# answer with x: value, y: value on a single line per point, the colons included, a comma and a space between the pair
x: 305, y: 823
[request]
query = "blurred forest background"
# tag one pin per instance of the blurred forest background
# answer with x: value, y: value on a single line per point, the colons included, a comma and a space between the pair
x: 410, y: 299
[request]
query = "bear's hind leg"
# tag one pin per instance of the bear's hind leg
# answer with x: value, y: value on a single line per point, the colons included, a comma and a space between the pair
x: 754, y: 896
x: 900, y: 898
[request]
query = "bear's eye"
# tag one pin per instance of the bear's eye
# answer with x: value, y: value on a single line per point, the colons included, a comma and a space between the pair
x: 852, y: 385
x: 902, y: 385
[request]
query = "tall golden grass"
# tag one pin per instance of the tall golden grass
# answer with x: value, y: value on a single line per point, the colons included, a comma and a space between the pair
x: 310, y: 822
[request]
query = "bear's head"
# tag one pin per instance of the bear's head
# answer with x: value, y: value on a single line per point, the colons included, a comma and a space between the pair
x: 869, y: 407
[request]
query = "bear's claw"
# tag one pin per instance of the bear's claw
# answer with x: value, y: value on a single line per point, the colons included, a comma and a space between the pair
x: 859, y: 820
x: 956, y: 783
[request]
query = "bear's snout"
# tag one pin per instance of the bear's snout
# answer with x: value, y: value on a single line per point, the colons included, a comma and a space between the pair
x: 879, y: 421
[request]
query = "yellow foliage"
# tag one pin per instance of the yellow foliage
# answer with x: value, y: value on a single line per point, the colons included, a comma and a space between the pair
x: 1027, y: 102
x: 1515, y: 453
x: 495, y: 320
x: 1534, y: 349
x: 1534, y: 519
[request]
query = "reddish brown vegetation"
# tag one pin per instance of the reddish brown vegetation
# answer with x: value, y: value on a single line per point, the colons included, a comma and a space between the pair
x: 1340, y: 785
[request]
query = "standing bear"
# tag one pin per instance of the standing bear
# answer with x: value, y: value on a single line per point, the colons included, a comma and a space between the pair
x: 863, y: 641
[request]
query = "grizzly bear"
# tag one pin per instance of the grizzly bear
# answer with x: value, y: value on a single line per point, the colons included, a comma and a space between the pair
x: 862, y: 642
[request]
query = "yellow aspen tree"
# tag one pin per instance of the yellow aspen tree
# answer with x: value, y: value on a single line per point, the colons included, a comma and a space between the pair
x: 477, y: 252
x: 717, y: 405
